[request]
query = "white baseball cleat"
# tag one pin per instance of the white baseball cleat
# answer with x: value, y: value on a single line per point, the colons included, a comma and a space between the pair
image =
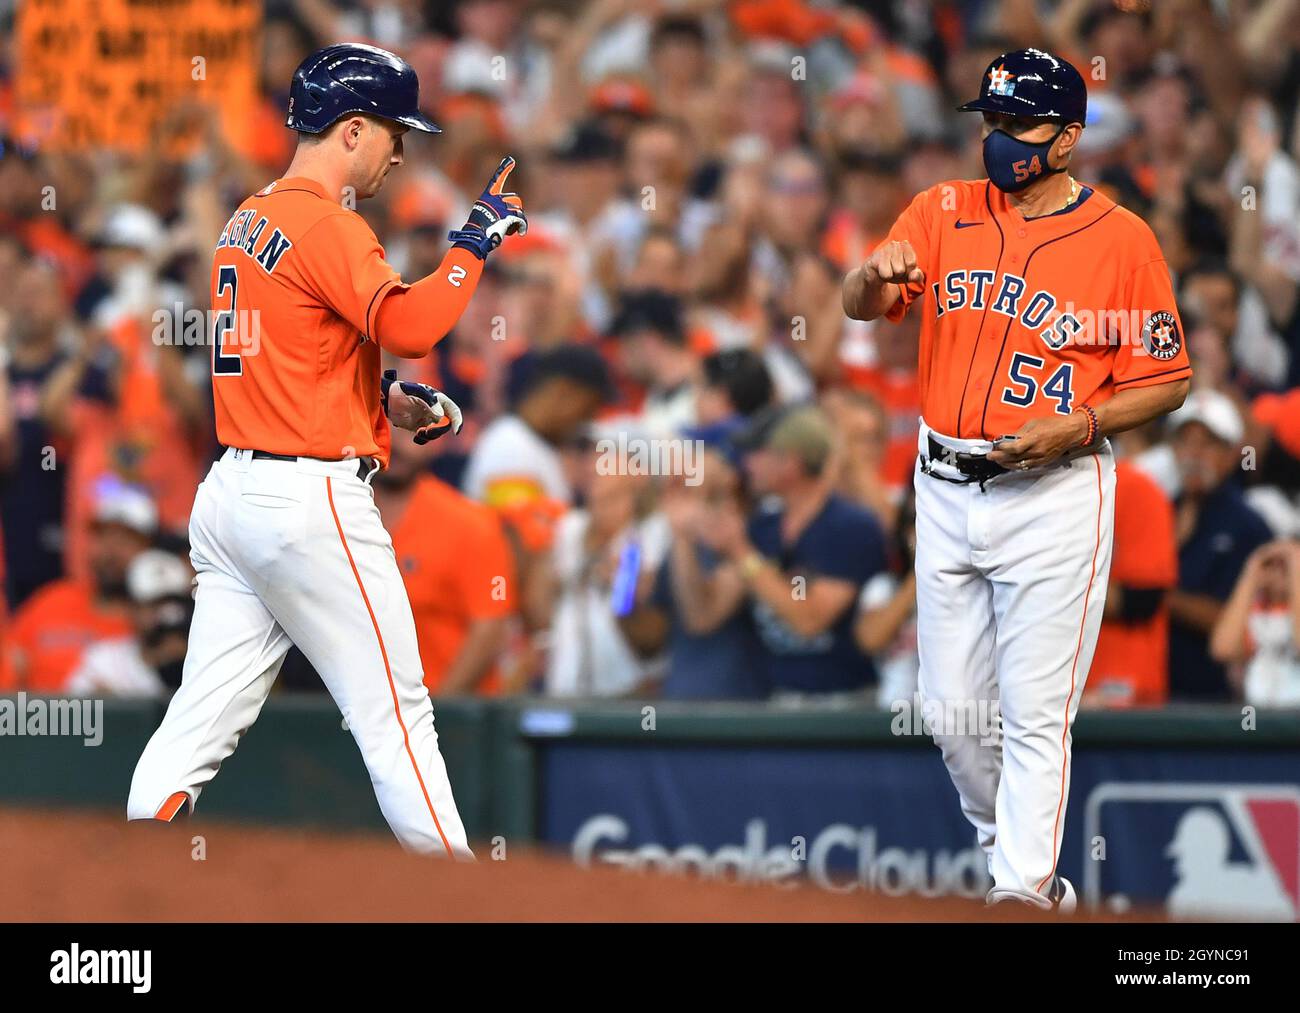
x: 1062, y: 896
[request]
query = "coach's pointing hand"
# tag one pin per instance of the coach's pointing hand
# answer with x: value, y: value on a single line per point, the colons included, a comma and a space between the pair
x: 896, y: 263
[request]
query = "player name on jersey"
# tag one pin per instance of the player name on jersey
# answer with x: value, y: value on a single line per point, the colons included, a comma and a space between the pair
x: 241, y: 233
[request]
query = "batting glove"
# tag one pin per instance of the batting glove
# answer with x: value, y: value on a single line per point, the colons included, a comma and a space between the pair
x: 494, y: 216
x: 418, y: 408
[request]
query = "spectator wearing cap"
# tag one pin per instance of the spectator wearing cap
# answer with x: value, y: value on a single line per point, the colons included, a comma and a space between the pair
x: 518, y: 466
x: 149, y: 661
x: 619, y: 104
x: 131, y: 245
x: 653, y: 351
x: 1278, y: 416
x: 584, y: 177
x: 33, y: 484
x: 517, y: 458
x: 55, y: 625
x: 1216, y: 532
x: 800, y: 561
x: 712, y: 654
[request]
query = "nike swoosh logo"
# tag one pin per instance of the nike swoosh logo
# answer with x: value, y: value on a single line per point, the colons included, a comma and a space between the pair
x: 966, y: 225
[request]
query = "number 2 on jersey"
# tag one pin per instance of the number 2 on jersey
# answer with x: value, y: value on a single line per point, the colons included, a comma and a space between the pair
x: 1023, y: 389
x: 224, y: 363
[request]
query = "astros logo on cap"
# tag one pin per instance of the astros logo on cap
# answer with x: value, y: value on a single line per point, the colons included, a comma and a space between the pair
x: 1000, y: 81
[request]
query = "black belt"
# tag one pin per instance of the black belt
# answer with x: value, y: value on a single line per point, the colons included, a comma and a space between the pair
x: 974, y: 467
x: 363, y: 467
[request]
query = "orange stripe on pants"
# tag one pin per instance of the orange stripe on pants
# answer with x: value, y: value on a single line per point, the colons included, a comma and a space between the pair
x: 388, y: 671
x: 1065, y: 730
x: 168, y: 810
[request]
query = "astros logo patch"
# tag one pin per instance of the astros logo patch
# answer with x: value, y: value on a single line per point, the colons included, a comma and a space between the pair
x: 1000, y: 81
x: 1160, y: 336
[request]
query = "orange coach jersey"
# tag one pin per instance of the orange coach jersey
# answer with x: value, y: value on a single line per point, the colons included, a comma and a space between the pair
x: 1029, y: 318
x: 297, y: 281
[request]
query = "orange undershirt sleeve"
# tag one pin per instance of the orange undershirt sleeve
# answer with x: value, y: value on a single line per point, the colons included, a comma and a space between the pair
x: 412, y: 319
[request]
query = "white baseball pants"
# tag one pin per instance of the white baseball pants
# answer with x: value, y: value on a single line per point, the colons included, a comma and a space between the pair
x: 294, y: 552
x: 1011, y: 583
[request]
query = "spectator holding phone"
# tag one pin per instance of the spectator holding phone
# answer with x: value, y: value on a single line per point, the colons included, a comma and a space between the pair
x: 1258, y: 633
x: 616, y: 529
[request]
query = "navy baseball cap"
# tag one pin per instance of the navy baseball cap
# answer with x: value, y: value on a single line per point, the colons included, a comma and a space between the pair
x: 579, y: 363
x: 1030, y: 82
x: 721, y: 437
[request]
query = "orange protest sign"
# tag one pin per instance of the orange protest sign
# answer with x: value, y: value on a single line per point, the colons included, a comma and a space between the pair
x: 133, y: 74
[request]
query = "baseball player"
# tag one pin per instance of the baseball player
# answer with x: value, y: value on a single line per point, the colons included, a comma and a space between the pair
x: 285, y: 538
x: 1048, y: 323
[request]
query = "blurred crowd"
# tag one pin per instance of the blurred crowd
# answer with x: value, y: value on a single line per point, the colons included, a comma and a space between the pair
x: 684, y: 474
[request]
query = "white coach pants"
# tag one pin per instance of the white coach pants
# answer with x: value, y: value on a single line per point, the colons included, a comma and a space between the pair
x: 1011, y: 583
x: 295, y: 553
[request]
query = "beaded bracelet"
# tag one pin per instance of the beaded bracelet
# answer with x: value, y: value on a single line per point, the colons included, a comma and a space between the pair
x: 1092, y: 424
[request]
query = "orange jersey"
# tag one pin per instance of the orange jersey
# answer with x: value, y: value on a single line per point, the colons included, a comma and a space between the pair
x: 50, y: 631
x: 1131, y: 663
x: 297, y: 286
x: 456, y: 571
x: 1029, y: 318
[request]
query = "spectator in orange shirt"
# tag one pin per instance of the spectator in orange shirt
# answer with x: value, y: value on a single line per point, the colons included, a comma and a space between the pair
x: 890, y: 376
x: 54, y: 626
x: 458, y: 570
x: 1131, y: 663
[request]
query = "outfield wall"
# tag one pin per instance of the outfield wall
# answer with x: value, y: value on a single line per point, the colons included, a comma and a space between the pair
x: 1181, y: 806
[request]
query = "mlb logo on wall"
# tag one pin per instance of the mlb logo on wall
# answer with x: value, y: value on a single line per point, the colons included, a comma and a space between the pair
x: 1201, y: 850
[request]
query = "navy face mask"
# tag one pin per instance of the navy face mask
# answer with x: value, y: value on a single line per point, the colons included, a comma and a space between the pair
x: 1012, y: 164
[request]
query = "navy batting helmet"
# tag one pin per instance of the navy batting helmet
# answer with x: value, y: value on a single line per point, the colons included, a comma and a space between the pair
x: 351, y: 78
x: 1029, y: 82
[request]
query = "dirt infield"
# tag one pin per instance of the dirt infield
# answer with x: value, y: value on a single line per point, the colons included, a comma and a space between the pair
x: 83, y: 867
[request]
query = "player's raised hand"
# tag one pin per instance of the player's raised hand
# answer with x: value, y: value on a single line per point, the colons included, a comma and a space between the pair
x: 895, y: 262
x: 495, y: 215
